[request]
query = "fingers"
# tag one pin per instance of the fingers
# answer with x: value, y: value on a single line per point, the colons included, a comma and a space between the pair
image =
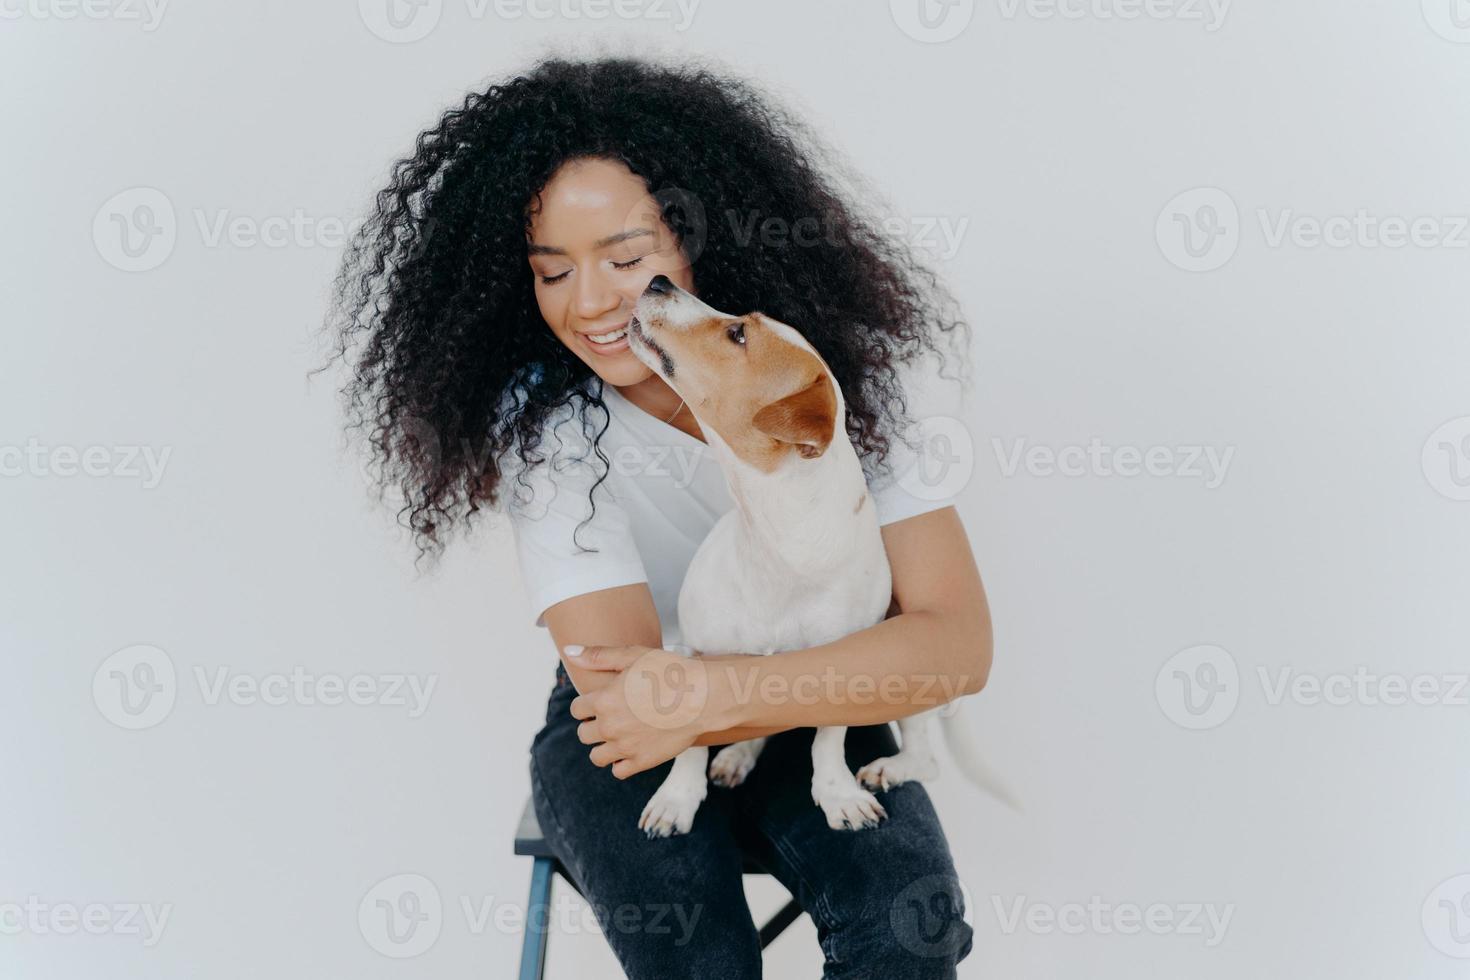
x: 589, y: 658
x: 603, y: 657
x: 582, y: 707
x: 605, y: 755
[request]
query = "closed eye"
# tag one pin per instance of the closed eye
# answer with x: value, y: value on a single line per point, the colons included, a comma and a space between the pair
x: 553, y: 280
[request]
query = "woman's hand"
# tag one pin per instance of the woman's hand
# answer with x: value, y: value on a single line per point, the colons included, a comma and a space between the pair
x: 656, y: 708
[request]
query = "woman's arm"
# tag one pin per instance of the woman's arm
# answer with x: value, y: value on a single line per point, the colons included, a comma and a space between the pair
x: 729, y: 735
x: 620, y: 616
x: 938, y: 647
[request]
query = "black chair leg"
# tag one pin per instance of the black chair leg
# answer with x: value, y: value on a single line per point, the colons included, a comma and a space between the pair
x: 538, y: 920
x: 788, y: 914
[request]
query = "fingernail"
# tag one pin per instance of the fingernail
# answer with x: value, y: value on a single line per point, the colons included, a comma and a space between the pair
x: 572, y: 649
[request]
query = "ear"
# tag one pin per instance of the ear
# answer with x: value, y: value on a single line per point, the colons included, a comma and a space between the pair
x: 805, y: 419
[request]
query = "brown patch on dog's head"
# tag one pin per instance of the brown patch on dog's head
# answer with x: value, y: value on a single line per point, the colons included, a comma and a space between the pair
x: 754, y: 380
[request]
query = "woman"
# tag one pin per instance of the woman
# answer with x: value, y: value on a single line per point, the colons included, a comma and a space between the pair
x: 488, y: 291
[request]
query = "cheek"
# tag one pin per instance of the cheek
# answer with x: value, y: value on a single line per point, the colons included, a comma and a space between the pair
x: 551, y: 308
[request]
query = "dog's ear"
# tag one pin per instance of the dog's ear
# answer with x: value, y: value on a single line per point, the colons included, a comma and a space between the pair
x: 806, y: 419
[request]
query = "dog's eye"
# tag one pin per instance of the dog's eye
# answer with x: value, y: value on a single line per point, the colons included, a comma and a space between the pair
x: 737, y: 334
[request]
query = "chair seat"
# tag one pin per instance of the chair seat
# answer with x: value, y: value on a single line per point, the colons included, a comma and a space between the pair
x: 529, y: 841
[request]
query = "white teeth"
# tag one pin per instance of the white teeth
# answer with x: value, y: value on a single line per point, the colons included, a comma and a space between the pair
x: 608, y: 338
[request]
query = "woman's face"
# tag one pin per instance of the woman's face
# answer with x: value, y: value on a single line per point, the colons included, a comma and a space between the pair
x: 595, y: 243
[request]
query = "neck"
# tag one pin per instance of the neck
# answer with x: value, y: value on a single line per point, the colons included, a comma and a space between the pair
x: 806, y: 514
x: 654, y: 396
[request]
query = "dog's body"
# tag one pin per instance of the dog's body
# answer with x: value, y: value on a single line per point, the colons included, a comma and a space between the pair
x: 798, y: 561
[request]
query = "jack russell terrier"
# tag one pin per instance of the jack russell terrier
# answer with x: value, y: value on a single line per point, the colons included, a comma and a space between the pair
x: 797, y: 562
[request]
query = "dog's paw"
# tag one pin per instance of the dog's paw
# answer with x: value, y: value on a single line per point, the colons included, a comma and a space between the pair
x: 731, y: 765
x: 848, y: 806
x: 670, y: 811
x: 894, y: 770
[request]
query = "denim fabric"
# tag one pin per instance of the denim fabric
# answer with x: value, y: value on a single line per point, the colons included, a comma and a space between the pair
x: 885, y: 901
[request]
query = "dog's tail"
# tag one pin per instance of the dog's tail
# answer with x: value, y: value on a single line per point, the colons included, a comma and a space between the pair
x: 971, y: 763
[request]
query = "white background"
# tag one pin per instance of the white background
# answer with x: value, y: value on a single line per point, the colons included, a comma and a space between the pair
x: 1336, y: 540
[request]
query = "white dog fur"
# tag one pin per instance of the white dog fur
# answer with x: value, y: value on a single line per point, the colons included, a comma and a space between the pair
x: 793, y: 564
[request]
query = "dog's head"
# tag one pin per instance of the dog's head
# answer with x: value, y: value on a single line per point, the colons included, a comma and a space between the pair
x: 757, y: 382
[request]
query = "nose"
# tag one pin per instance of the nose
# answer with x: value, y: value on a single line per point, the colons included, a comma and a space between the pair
x: 660, y: 286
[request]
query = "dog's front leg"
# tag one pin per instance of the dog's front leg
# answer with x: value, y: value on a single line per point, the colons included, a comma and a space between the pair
x: 847, y: 805
x: 671, y: 808
x: 914, y: 759
x: 734, y: 762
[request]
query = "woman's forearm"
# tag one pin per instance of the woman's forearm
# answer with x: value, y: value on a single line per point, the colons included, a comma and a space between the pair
x: 903, y: 665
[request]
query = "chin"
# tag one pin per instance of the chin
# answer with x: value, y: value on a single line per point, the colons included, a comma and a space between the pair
x: 622, y: 375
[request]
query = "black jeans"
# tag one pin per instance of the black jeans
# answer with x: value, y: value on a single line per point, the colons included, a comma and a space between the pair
x: 885, y: 901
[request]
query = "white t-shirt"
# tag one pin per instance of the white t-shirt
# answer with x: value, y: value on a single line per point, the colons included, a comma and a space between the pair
x: 663, y: 493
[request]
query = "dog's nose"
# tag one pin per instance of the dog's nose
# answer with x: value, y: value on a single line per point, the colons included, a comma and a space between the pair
x: 660, y: 286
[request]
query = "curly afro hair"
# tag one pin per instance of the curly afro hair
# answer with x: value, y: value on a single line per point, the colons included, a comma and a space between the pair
x: 452, y: 368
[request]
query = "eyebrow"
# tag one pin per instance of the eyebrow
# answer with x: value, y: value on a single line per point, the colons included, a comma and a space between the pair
x: 621, y: 236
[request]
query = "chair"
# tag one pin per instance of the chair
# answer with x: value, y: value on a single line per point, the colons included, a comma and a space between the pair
x: 546, y: 866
